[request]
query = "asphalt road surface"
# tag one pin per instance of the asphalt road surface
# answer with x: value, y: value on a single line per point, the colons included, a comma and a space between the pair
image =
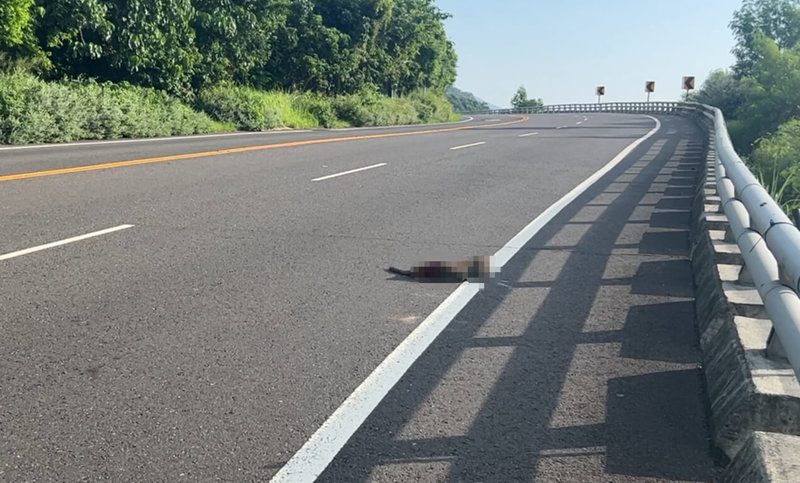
x: 230, y: 295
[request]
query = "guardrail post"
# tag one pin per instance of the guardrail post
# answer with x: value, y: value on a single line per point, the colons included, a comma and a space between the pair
x: 775, y: 349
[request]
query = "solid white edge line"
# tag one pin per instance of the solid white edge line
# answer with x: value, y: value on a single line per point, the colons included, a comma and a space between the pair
x: 150, y: 140
x: 343, y: 173
x: 467, y: 146
x: 370, y: 128
x: 529, y: 134
x: 312, y: 459
x: 204, y: 136
x: 74, y: 239
x: 316, y: 454
x: 515, y: 244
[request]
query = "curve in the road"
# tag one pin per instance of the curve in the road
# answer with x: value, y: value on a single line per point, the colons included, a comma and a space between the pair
x: 203, y: 154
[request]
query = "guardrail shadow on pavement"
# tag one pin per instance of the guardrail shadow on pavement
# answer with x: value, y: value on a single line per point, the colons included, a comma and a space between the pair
x: 655, y: 422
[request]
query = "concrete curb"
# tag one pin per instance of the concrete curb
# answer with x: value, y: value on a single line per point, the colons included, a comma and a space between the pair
x: 766, y: 457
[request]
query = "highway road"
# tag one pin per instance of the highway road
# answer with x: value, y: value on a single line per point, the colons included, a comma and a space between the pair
x: 226, y: 294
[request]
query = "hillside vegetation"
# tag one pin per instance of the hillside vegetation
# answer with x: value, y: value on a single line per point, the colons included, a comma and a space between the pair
x: 154, y: 67
x: 465, y: 101
x: 760, y: 94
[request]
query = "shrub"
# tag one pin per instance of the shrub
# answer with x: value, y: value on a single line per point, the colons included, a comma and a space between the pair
x: 320, y: 107
x: 354, y: 109
x: 369, y: 109
x: 243, y: 107
x: 432, y: 107
x: 33, y: 111
x: 254, y: 110
x: 776, y: 161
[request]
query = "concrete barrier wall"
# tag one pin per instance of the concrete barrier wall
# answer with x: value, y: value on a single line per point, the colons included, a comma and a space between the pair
x: 752, y: 394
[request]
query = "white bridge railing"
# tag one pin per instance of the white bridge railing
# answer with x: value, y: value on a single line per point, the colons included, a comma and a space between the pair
x: 768, y: 240
x: 618, y: 107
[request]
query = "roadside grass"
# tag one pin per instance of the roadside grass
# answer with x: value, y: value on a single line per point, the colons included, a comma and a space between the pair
x: 35, y: 111
x: 254, y: 110
x: 780, y: 187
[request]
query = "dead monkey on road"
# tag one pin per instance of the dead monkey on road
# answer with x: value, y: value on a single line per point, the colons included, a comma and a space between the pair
x: 475, y: 268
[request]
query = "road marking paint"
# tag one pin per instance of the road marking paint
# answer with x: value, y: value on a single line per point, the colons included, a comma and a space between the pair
x: 74, y: 239
x: 579, y: 122
x: 243, y: 149
x: 561, y: 127
x: 150, y: 140
x: 467, y: 146
x: 374, y: 128
x: 493, y: 120
x: 316, y: 454
x: 312, y: 459
x: 529, y: 134
x: 344, y: 173
x: 585, y: 118
x: 515, y: 244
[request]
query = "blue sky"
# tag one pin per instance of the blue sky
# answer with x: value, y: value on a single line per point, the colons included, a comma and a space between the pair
x: 561, y: 50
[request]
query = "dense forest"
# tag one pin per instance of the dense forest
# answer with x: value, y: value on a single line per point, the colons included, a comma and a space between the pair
x: 760, y: 94
x: 220, y: 56
x: 326, y: 46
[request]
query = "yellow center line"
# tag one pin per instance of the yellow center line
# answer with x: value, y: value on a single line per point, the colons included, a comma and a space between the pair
x: 244, y: 149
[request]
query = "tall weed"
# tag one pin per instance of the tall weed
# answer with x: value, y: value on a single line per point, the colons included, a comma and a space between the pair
x: 34, y: 111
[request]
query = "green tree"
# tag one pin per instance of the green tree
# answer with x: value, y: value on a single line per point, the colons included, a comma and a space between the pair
x: 146, y: 42
x: 721, y: 89
x: 327, y: 46
x: 772, y: 93
x: 18, y: 42
x: 416, y: 39
x: 15, y: 22
x: 520, y: 99
x: 311, y: 56
x: 235, y: 38
x: 776, y: 19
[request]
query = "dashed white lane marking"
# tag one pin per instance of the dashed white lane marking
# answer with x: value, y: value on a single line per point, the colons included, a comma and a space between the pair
x: 468, y: 146
x: 74, y: 239
x: 528, y: 134
x: 561, y: 127
x: 345, y: 173
x: 316, y: 454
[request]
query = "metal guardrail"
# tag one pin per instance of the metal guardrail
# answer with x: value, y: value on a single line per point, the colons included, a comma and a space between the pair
x: 612, y: 107
x: 768, y: 240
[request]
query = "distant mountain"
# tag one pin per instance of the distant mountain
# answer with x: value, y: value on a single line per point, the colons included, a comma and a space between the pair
x: 465, y: 101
